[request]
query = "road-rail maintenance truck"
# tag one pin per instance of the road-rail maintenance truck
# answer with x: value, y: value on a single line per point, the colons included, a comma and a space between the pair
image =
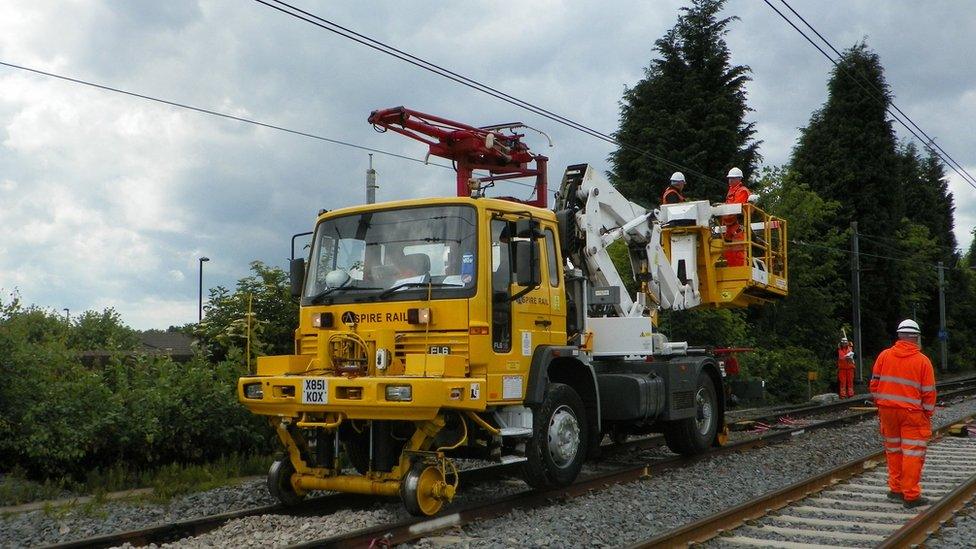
x: 498, y: 329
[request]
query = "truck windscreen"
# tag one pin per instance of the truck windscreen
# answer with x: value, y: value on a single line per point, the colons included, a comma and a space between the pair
x: 393, y: 255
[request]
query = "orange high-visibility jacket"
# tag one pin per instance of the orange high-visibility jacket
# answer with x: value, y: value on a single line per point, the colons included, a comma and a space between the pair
x: 738, y: 194
x: 672, y: 196
x: 843, y: 361
x: 903, y: 378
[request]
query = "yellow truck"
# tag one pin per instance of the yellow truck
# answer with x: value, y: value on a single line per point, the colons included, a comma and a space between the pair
x: 488, y: 328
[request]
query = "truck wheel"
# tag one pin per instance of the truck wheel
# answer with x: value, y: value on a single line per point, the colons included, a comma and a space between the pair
x: 694, y: 435
x: 279, y: 483
x: 557, y: 449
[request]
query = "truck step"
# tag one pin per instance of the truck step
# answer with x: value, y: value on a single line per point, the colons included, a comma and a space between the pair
x: 513, y: 459
x: 515, y: 431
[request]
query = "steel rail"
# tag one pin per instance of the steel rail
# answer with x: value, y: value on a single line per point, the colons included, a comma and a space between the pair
x: 176, y: 530
x: 714, y: 525
x: 411, y: 529
x: 954, y: 386
x: 927, y: 522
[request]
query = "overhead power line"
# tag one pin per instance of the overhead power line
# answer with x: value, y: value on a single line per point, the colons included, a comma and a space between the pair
x: 930, y: 140
x: 218, y: 113
x: 926, y: 143
x: 387, y: 49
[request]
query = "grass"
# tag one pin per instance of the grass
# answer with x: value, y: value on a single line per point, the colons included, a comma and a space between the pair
x: 167, y: 481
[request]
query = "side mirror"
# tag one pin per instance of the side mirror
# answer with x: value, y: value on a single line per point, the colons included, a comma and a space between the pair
x: 297, y: 275
x: 527, y: 263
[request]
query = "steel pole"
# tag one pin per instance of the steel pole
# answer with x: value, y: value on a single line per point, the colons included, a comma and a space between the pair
x: 856, y: 298
x: 371, y: 183
x: 200, y: 300
x: 943, y: 335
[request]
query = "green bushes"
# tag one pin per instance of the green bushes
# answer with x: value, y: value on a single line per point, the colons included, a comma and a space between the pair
x: 785, y: 371
x: 59, y: 418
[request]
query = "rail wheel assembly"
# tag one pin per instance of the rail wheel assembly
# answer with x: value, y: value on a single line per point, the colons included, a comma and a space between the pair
x: 280, y: 486
x: 424, y: 489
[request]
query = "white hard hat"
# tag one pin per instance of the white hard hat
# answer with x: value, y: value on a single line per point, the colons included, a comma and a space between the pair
x: 734, y: 172
x: 843, y: 340
x: 677, y: 177
x: 908, y: 326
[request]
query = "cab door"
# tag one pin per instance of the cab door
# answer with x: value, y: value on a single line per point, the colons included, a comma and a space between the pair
x: 520, y: 314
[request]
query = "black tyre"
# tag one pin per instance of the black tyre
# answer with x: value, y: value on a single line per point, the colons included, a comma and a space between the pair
x: 279, y: 483
x: 558, y: 446
x: 694, y: 435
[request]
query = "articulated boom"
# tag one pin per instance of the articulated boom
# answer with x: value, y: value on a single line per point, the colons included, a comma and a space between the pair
x: 502, y: 155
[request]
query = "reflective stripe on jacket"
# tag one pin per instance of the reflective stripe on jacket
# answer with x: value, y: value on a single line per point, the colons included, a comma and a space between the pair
x: 903, y: 378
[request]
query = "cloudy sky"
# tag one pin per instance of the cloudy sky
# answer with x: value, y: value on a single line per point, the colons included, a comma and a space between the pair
x: 108, y: 200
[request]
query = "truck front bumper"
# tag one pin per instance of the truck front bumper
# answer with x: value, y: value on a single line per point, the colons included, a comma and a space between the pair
x: 360, y: 397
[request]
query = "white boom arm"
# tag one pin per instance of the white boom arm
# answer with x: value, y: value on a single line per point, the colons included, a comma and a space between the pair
x: 606, y: 217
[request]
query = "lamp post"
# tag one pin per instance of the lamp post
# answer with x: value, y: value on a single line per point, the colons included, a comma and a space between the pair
x: 67, y: 316
x: 200, y: 303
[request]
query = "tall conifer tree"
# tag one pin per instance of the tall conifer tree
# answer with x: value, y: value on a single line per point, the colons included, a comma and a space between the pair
x: 689, y: 109
x: 848, y: 153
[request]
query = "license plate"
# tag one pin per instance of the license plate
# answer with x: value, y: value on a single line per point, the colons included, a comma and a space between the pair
x: 315, y: 390
x: 439, y: 350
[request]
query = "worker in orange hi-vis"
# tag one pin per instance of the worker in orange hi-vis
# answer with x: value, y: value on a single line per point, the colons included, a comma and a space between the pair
x: 903, y: 387
x: 673, y: 194
x: 845, y: 369
x: 735, y: 254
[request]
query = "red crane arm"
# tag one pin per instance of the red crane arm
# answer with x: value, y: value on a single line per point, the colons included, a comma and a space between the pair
x: 502, y: 155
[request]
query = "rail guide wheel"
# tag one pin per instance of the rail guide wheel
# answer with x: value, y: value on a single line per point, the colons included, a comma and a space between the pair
x: 280, y: 486
x: 424, y: 489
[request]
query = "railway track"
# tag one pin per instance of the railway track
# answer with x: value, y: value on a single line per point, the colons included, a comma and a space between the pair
x: 844, y: 507
x: 414, y: 528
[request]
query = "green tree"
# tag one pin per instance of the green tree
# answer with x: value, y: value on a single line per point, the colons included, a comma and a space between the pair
x: 104, y: 331
x: 810, y: 317
x: 848, y: 154
x: 267, y: 291
x: 689, y: 109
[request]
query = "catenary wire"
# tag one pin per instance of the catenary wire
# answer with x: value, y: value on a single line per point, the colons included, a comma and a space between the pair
x: 233, y: 117
x: 218, y: 114
x: 971, y: 182
x: 952, y: 161
x: 335, y: 28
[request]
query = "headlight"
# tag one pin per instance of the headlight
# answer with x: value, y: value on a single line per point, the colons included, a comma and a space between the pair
x: 401, y: 393
x: 253, y: 390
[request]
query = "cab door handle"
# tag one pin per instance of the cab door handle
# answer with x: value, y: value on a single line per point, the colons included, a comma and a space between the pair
x: 543, y: 322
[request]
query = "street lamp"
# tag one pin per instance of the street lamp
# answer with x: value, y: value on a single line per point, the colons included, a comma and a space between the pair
x: 67, y: 316
x: 200, y: 317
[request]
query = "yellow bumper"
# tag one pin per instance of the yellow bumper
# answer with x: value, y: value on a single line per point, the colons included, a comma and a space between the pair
x: 360, y: 397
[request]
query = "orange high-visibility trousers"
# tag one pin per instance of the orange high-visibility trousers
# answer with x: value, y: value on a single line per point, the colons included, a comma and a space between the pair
x: 906, y: 434
x: 845, y: 382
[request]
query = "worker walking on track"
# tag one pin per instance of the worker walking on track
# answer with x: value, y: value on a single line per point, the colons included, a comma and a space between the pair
x: 735, y: 253
x: 903, y: 387
x: 673, y: 194
x: 845, y: 369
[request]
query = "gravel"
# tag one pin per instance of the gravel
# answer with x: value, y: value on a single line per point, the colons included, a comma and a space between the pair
x: 81, y: 521
x: 627, y: 513
x: 618, y: 515
x: 959, y: 533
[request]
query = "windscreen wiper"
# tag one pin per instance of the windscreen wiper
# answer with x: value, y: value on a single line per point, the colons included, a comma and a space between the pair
x: 388, y: 292
x: 317, y: 298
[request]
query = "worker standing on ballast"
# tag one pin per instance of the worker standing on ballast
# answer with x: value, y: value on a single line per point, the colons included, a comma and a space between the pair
x: 845, y: 368
x: 673, y: 194
x: 735, y: 254
x: 903, y: 387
